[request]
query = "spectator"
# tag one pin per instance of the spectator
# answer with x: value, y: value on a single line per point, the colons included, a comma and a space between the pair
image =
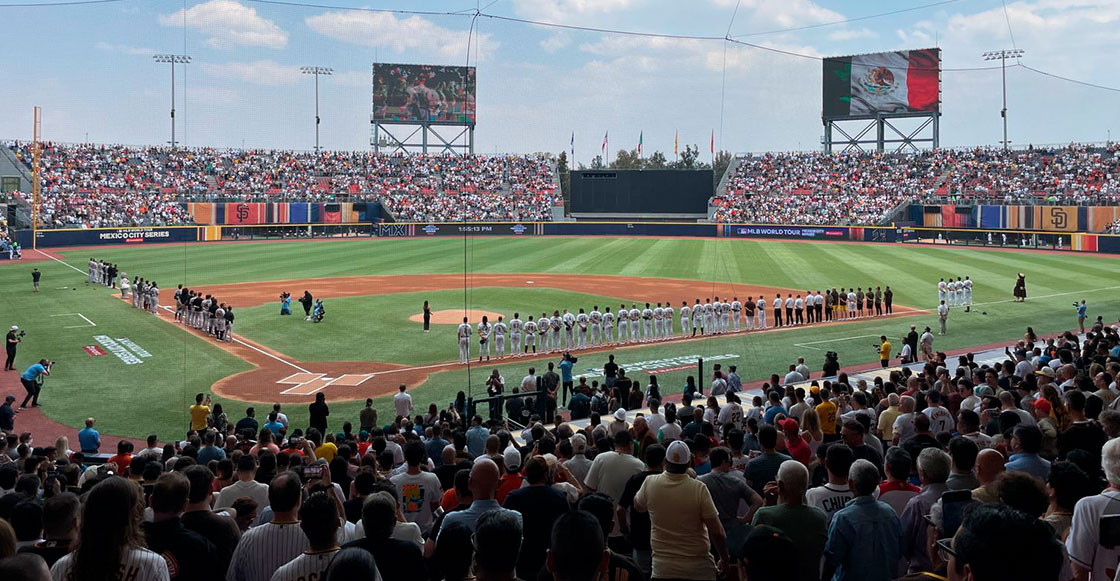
x: 577, y: 542
x: 418, y: 490
x: 998, y: 542
x: 1089, y: 554
x: 318, y: 412
x: 610, y: 470
x: 264, y: 549
x: 728, y: 489
x: 319, y: 520
x: 762, y: 469
x: 246, y: 485
x: 395, y: 558
x: 602, y: 508
x: 484, y: 487
x: 367, y: 418
x: 897, y: 490
x: 89, y: 439
x: 933, y: 470
x: 219, y: 528
x: 963, y: 451
x: 806, y: 526
x: 110, y: 544
x: 497, y: 546
x: 60, y: 528
x: 989, y: 466
x: 865, y: 527
x: 189, y: 555
x: 684, y: 521
x: 834, y: 494
x: 1067, y: 485
x: 540, y: 505
x: 1026, y: 442
x: 767, y: 553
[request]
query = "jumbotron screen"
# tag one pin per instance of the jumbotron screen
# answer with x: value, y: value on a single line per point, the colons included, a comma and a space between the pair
x: 423, y: 93
x: 907, y: 81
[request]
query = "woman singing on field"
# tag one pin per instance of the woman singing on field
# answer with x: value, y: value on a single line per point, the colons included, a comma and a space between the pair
x: 427, y: 317
x: 1021, y: 288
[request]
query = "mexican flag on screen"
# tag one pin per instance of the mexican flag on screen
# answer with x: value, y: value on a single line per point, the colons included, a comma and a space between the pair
x: 885, y: 82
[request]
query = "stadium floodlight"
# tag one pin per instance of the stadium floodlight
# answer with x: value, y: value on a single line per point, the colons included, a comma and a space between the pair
x: 1002, y: 56
x: 172, y: 59
x: 316, y: 71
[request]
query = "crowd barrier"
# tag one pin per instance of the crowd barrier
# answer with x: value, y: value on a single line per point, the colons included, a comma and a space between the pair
x: 1026, y: 239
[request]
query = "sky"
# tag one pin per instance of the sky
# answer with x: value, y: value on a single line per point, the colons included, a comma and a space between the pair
x: 90, y: 68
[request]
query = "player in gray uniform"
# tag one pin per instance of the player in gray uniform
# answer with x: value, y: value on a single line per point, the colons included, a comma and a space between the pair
x: 515, y: 327
x: 667, y: 322
x: 623, y: 324
x: 709, y: 318
x: 760, y: 314
x: 596, y: 319
x: 530, y: 334
x: 635, y: 324
x: 582, y: 321
x: 153, y: 299
x: 500, y: 337
x: 220, y: 322
x: 89, y: 270
x: 464, y: 334
x: 967, y: 292
x: 724, y: 316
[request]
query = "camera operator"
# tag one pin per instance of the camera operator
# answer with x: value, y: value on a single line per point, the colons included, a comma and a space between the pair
x: 32, y: 381
x: 10, y: 342
x: 831, y: 366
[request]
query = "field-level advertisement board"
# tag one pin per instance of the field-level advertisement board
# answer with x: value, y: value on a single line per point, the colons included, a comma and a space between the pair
x: 423, y: 94
x: 882, y: 83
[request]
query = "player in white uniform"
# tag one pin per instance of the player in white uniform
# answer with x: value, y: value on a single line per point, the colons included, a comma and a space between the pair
x: 941, y: 288
x: 530, y: 327
x: 725, y: 316
x: 951, y: 292
x: 464, y: 341
x: 515, y: 327
x: 851, y: 304
x: 484, y: 338
x: 544, y: 332
x: 608, y: 326
x: 658, y: 322
x: 596, y: 319
x: 569, y: 321
x: 697, y: 318
x: 709, y: 318
x: 667, y: 322
x: 967, y: 291
x: 623, y: 324
x: 635, y: 318
x: 556, y: 322
x: 736, y: 312
x: 717, y: 308
x: 647, y: 324
x: 760, y: 314
x: 582, y: 321
x: 960, y: 292
x: 500, y: 330
x: 686, y: 319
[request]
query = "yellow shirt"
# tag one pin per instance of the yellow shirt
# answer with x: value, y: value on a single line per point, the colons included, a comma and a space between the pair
x: 326, y: 451
x: 199, y: 413
x: 886, y: 422
x: 885, y: 351
x: 677, y: 508
x: 827, y: 412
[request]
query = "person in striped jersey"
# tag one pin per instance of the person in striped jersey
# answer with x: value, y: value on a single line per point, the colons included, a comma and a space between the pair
x: 265, y: 548
x: 318, y: 517
x: 110, y: 544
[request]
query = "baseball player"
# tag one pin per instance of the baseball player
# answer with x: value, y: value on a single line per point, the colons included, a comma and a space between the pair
x: 556, y: 322
x: 608, y: 326
x: 697, y: 318
x: 709, y: 317
x: 484, y: 332
x: 647, y: 324
x: 500, y: 330
x: 951, y: 299
x: 851, y: 304
x: 725, y: 316
x: 777, y: 305
x: 635, y: 316
x: 544, y: 326
x: 789, y: 309
x: 658, y: 321
x: 89, y: 270
x: 960, y: 292
x: 582, y: 321
x: 569, y: 321
x: 799, y: 310
x: 667, y: 323
x: 623, y: 323
x: 748, y: 314
x: 859, y: 303
x: 515, y: 326
x: 941, y: 288
x: 686, y: 319
x: 760, y: 317
x: 596, y: 319
x: 942, y: 316
x: 968, y: 291
x: 530, y: 334
x: 464, y: 341
x: 220, y: 322
x: 736, y: 312
x: 153, y: 294
x: 717, y: 316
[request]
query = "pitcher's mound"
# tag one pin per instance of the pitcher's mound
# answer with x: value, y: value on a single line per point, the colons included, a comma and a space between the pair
x: 455, y: 316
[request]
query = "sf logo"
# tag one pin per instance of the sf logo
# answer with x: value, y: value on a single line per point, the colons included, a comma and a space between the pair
x: 1059, y: 219
x: 242, y: 212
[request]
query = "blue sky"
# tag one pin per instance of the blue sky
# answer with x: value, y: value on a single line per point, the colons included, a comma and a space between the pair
x: 90, y: 68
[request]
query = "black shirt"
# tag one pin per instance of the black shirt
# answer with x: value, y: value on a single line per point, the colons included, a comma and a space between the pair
x: 831, y: 367
x: 188, y: 554
x: 10, y: 342
x: 639, y: 521
x: 247, y: 423
x: 220, y: 530
x: 319, y: 412
x: 35, y: 274
x: 50, y: 551
x: 539, y: 506
x: 1087, y: 436
x: 7, y: 417
x: 396, y: 559
x: 610, y: 369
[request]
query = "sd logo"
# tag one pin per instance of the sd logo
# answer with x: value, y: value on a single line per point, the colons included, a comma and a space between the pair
x: 1059, y: 219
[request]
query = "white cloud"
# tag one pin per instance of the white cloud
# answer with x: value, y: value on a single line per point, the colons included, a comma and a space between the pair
x: 556, y: 41
x: 567, y: 11
x: 847, y: 34
x: 783, y: 13
x: 414, y: 34
x: 227, y: 23
x: 261, y: 72
x: 124, y: 49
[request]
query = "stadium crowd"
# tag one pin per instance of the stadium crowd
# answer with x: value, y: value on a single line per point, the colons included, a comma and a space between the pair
x: 98, y: 185
x: 984, y: 473
x: 863, y: 188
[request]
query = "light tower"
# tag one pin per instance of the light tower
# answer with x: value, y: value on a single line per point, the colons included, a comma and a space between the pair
x: 172, y: 59
x: 316, y: 71
x: 1002, y: 56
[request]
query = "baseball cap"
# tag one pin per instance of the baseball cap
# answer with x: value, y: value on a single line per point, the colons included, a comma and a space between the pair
x: 15, y: 327
x: 512, y: 458
x: 620, y: 415
x: 814, y: 389
x: 1042, y: 405
x: 1047, y: 371
x: 678, y: 453
x: 579, y: 444
x: 787, y: 423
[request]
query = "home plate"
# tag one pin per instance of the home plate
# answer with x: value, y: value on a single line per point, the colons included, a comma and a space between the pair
x: 528, y: 282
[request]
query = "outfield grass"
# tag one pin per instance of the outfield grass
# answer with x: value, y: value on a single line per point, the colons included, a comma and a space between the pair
x: 135, y: 400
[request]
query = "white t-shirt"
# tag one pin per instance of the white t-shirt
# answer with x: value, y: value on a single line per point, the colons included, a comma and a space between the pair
x: 251, y: 488
x: 402, y: 531
x: 136, y: 565
x: 418, y: 493
x: 655, y: 421
x: 903, y: 427
x: 610, y: 471
x: 1083, y: 541
x: 403, y: 403
x: 670, y: 432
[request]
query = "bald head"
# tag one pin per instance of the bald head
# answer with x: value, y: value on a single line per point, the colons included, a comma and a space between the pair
x: 989, y: 465
x: 484, y: 479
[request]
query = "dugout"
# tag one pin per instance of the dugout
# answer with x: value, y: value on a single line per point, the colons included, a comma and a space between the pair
x: 661, y: 194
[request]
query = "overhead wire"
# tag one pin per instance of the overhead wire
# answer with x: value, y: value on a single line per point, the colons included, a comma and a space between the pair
x: 847, y: 20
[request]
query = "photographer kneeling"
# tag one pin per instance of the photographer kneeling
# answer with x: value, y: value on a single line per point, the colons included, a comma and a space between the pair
x: 32, y: 381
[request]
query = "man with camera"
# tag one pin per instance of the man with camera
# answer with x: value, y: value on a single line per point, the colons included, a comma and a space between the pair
x: 10, y: 342
x: 32, y: 381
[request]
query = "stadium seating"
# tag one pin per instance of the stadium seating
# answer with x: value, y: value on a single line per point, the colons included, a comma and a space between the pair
x: 109, y: 185
x: 863, y: 188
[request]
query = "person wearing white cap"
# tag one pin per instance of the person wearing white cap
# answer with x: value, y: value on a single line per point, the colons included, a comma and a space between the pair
x: 619, y: 424
x: 10, y: 343
x: 684, y: 521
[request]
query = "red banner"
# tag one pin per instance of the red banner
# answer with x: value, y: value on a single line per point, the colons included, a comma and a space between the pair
x: 245, y: 213
x: 93, y: 350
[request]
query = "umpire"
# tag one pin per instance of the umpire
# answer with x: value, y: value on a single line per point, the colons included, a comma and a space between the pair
x: 10, y: 343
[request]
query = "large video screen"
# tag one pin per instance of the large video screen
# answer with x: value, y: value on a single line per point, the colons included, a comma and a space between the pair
x: 423, y: 93
x: 907, y: 81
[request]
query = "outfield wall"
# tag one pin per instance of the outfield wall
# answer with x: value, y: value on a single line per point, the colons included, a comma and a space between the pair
x: 1024, y: 239
x: 1002, y: 217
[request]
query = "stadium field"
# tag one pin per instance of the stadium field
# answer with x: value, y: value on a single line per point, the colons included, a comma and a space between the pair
x: 367, y: 345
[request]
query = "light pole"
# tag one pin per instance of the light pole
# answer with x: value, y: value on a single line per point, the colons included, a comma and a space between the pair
x: 1002, y: 56
x: 316, y: 71
x: 172, y: 59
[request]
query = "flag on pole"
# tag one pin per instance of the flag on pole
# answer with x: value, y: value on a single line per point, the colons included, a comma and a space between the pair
x: 675, y: 141
x: 605, y: 142
x: 573, y: 145
x: 640, y: 133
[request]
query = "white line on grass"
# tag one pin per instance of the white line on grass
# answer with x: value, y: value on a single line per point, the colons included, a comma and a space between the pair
x: 807, y: 345
x: 62, y: 262
x: 253, y: 347
x: 84, y: 318
x: 1092, y: 290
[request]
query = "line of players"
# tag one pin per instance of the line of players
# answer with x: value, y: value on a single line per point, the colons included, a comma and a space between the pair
x: 955, y: 293
x: 566, y: 330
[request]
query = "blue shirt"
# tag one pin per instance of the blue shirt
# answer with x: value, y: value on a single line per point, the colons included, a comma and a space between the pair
x: 734, y: 383
x: 864, y: 541
x: 435, y: 450
x: 33, y: 372
x: 89, y: 440
x: 1032, y: 464
x: 772, y: 412
x: 476, y: 440
x: 469, y: 516
x: 1081, y: 311
x: 274, y: 427
x: 208, y: 453
x: 565, y: 370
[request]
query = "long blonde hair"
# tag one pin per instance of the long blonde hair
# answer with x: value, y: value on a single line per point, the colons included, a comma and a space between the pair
x: 811, y: 422
x: 61, y: 445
